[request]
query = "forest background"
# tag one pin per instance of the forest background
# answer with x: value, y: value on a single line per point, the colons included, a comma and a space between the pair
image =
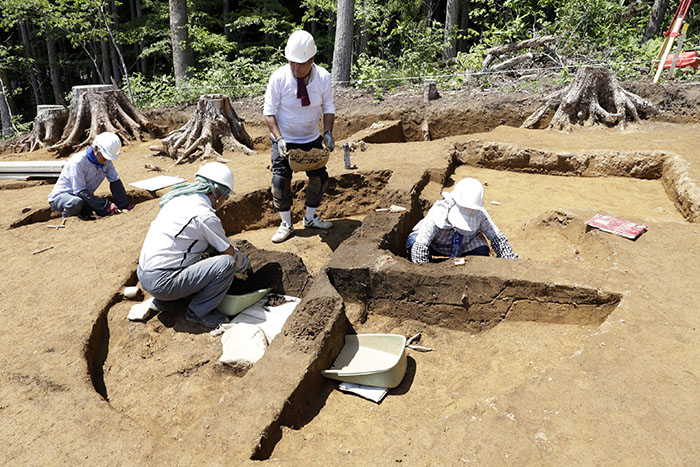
x: 165, y: 53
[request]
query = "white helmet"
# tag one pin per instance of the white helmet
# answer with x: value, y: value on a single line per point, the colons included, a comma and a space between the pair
x: 300, y: 47
x: 109, y: 145
x: 468, y: 195
x: 217, y: 172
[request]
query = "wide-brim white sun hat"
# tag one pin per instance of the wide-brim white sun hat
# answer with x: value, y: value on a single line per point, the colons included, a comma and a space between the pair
x: 468, y: 195
x: 300, y: 47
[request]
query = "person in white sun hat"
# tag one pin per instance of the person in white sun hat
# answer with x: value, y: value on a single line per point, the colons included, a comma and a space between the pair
x: 298, y: 95
x: 74, y: 192
x: 457, y: 226
x: 171, y: 267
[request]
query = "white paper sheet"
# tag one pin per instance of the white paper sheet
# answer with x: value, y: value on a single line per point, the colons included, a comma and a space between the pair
x: 157, y: 183
x: 248, y: 347
x: 373, y: 393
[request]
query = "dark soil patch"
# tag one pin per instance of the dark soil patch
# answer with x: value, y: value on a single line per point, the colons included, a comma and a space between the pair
x: 283, y: 272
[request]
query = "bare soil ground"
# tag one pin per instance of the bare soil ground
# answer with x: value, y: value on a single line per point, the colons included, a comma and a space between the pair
x: 583, y: 351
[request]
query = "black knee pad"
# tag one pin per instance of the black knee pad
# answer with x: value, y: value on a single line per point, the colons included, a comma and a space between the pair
x: 281, y: 193
x: 314, y: 190
x: 318, y: 184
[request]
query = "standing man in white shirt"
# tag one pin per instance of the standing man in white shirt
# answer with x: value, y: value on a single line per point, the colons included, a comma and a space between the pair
x: 74, y: 192
x: 298, y: 95
x: 169, y: 266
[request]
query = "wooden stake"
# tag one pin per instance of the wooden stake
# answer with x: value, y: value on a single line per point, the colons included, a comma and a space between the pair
x: 42, y: 250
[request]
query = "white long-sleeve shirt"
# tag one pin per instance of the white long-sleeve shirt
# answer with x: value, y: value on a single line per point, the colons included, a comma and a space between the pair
x: 182, y: 231
x: 296, y: 123
x: 80, y: 174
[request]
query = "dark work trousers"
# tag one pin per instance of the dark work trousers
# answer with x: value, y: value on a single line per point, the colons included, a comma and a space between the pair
x: 282, y: 178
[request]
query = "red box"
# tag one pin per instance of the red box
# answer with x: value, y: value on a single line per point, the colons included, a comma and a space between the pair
x: 616, y: 226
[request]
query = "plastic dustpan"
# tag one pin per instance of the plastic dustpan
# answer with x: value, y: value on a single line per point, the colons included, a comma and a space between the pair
x: 231, y: 305
x: 370, y: 359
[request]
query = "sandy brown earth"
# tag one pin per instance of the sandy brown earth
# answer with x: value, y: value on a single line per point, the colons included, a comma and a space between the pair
x: 583, y: 351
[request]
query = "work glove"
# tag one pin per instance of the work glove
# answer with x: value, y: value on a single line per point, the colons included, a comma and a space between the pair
x: 282, y: 146
x: 242, y: 263
x: 328, y: 140
x: 112, y: 209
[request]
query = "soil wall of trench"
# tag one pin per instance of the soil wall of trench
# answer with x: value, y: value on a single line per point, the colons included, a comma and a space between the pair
x: 370, y: 272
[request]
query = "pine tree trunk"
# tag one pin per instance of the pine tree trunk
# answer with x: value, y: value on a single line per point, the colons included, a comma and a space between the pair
x: 183, y: 58
x: 26, y: 43
x: 6, y: 128
x: 429, y: 10
x: 463, y: 24
x: 40, y: 73
x: 342, y: 52
x: 116, y: 69
x: 658, y: 10
x: 135, y: 8
x: 450, y: 39
x: 54, y: 71
x: 227, y: 18
x: 106, y: 63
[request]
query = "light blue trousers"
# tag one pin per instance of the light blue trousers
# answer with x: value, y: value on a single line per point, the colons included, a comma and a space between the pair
x: 68, y: 205
x: 207, y: 281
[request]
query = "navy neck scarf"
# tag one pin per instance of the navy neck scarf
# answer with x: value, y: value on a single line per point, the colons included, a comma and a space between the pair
x: 92, y: 158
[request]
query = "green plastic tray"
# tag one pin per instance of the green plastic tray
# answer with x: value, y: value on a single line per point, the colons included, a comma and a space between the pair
x: 231, y: 305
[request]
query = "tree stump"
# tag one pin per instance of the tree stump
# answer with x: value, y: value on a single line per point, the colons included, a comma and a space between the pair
x: 213, y: 128
x: 430, y: 91
x: 98, y: 108
x: 594, y: 96
x: 49, y: 123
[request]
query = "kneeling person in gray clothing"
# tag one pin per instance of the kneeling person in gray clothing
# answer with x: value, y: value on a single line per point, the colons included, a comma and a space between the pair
x: 74, y: 192
x: 170, y: 265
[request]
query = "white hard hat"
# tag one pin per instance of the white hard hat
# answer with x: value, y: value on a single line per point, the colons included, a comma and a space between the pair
x: 468, y: 195
x: 300, y: 47
x: 217, y: 172
x: 109, y: 145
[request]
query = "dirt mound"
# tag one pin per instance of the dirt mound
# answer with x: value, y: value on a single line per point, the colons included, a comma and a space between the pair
x: 284, y: 273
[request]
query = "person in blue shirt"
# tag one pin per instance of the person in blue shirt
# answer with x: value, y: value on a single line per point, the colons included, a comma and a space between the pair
x: 74, y: 192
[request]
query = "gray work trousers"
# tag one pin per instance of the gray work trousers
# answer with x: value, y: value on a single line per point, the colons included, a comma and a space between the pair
x: 67, y: 204
x: 207, y: 281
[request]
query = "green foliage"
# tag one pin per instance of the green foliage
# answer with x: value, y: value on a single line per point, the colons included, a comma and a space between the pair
x: 600, y: 30
x: 240, y: 77
x: 495, y: 22
x: 374, y: 74
x: 396, y: 42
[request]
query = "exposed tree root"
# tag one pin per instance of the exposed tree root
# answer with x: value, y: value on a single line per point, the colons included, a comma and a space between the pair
x: 594, y: 96
x: 98, y: 108
x: 49, y: 123
x: 213, y: 128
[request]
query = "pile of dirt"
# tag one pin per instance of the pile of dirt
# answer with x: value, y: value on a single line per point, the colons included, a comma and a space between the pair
x: 309, y: 157
x: 283, y: 272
